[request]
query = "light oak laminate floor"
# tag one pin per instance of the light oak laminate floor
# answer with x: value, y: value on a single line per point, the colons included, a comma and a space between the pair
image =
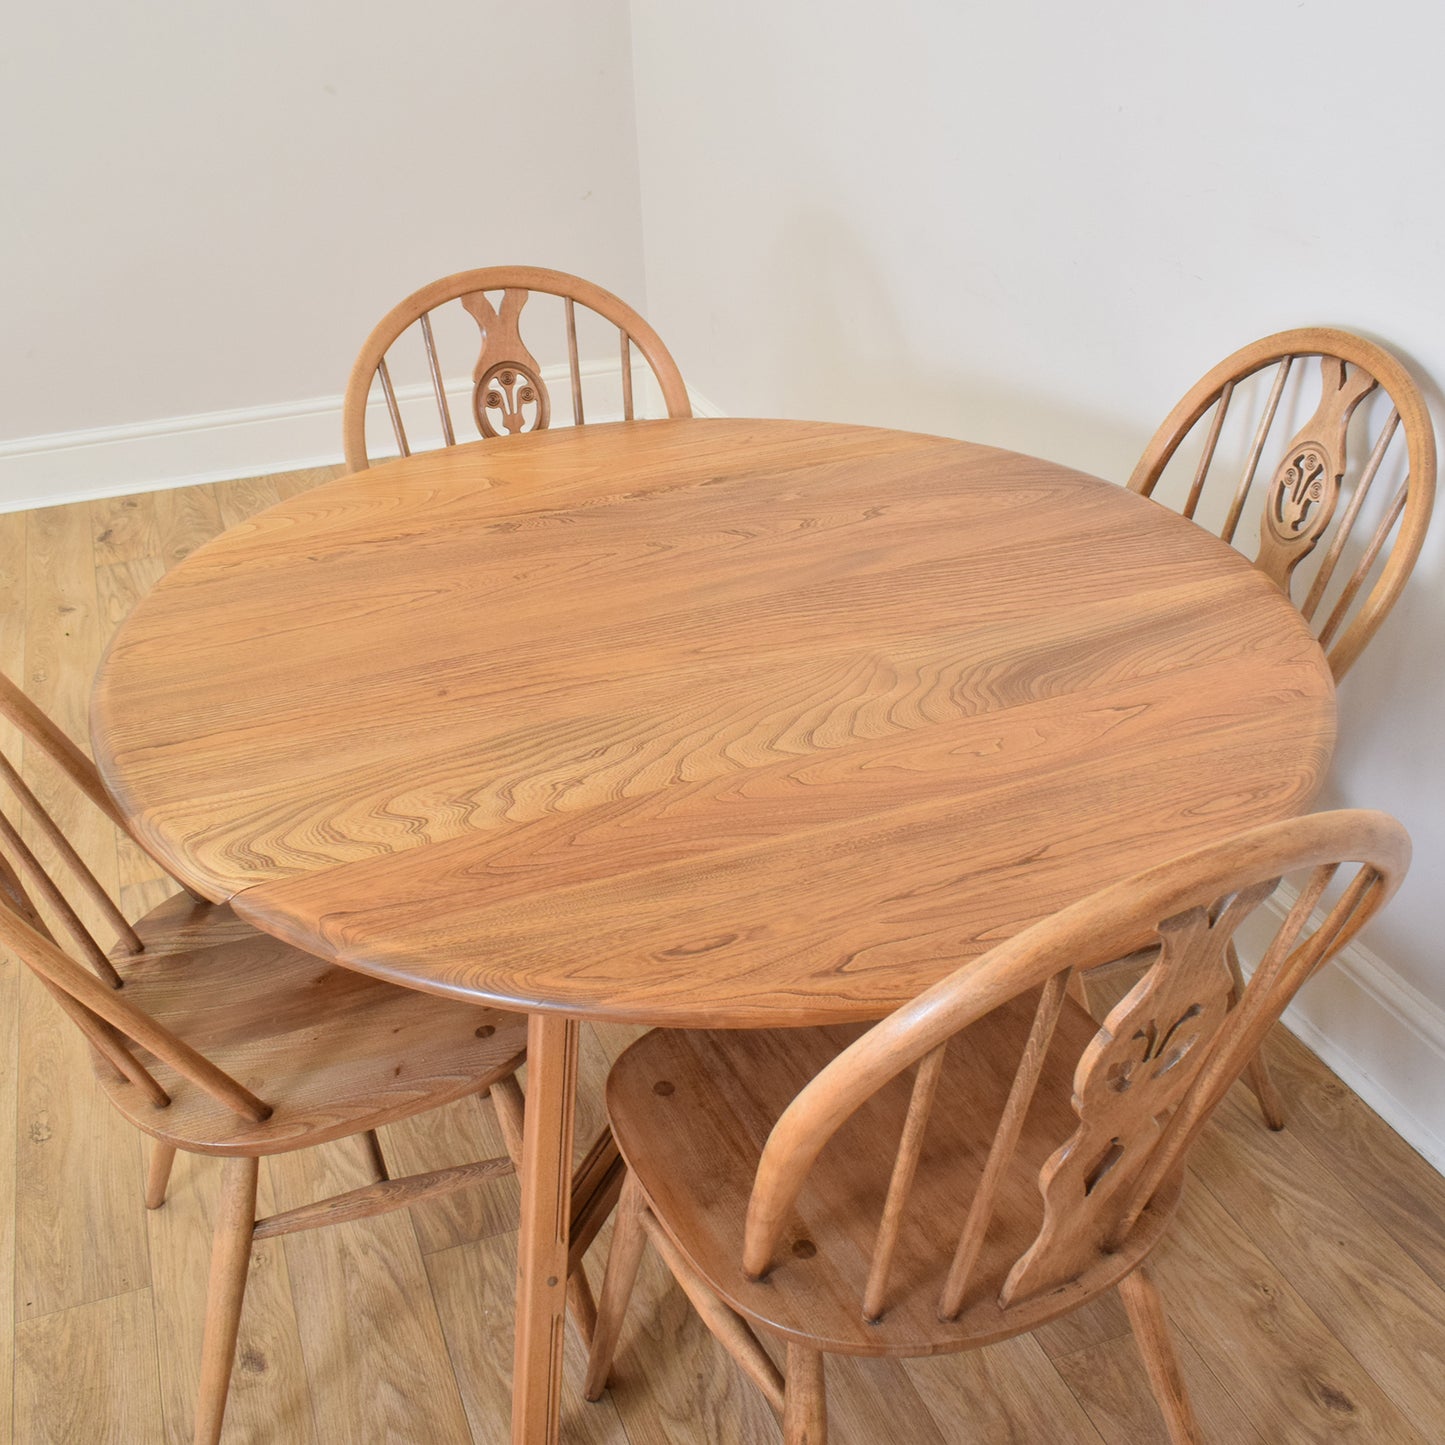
x: 1306, y: 1281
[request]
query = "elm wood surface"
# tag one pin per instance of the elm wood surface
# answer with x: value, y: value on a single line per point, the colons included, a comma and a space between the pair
x: 759, y: 1161
x: 647, y: 721
x: 708, y: 722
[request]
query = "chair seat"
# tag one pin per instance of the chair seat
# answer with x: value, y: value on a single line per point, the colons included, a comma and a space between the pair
x: 334, y: 1052
x: 691, y: 1112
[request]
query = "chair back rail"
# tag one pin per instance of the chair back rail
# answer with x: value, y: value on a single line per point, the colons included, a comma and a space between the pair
x: 509, y: 392
x: 1332, y: 458
x: 1146, y: 1082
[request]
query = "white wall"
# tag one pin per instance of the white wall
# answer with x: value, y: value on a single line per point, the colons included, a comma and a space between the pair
x: 207, y: 206
x: 1036, y: 224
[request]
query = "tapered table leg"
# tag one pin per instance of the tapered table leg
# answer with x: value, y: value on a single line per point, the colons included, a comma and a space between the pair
x: 545, y: 1235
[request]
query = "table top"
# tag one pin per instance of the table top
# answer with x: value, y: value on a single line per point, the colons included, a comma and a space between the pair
x: 700, y: 721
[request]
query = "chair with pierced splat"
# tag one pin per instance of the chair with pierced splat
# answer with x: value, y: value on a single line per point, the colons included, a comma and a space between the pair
x: 1322, y: 504
x: 986, y: 1159
x: 508, y: 388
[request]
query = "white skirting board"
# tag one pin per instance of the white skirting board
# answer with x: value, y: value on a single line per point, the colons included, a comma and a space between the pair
x: 47, y: 471
x: 1383, y: 1037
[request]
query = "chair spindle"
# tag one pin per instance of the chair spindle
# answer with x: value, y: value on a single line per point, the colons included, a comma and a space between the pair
x: 1005, y: 1141
x: 573, y: 364
x: 392, y: 409
x: 1256, y: 450
x: 1206, y: 460
x: 438, y: 386
x: 626, y: 348
x: 90, y: 885
x: 1362, y: 568
x: 25, y: 863
x: 915, y: 1125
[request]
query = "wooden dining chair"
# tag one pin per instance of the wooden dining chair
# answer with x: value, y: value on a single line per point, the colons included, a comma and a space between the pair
x: 1324, y: 447
x: 217, y: 1039
x: 1322, y: 455
x: 508, y: 388
x: 986, y: 1159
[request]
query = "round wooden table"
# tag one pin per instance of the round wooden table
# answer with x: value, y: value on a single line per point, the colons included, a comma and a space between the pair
x: 698, y: 723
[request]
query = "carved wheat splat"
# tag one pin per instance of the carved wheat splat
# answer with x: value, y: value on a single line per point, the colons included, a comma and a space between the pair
x: 507, y: 382
x: 1302, y: 494
x: 1127, y: 1085
x: 508, y: 393
x: 1311, y: 496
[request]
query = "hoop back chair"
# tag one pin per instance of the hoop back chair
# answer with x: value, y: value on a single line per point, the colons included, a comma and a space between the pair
x: 1320, y: 478
x: 509, y: 392
x: 1362, y: 462
x: 217, y: 1039
x: 988, y: 1157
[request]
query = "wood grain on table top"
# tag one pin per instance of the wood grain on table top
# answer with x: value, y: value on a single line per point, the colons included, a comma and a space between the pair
x: 694, y: 721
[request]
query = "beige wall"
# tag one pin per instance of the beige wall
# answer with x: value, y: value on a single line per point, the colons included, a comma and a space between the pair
x: 208, y: 205
x: 1035, y: 224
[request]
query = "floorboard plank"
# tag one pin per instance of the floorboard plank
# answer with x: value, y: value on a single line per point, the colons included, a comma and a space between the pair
x: 1361, y: 1283
x: 375, y: 1356
x: 1294, y: 1380
x: 87, y: 1375
x: 1108, y: 1380
x: 79, y: 1235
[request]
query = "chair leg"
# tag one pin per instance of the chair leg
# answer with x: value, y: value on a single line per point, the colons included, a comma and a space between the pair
x: 1261, y: 1081
x: 507, y: 1100
x: 1256, y: 1072
x: 375, y: 1157
x: 581, y: 1306
x: 162, y: 1157
x: 230, y: 1259
x: 805, y: 1403
x: 1151, y: 1333
x: 623, y: 1260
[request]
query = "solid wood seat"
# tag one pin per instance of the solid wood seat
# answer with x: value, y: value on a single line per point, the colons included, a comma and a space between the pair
x: 986, y: 1158
x: 697, y: 1164
x: 337, y: 1052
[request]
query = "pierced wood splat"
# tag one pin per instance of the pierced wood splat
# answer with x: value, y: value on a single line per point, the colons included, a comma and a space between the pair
x: 1312, y: 492
x: 509, y: 393
x: 1306, y: 486
x: 1129, y: 1081
x: 507, y: 382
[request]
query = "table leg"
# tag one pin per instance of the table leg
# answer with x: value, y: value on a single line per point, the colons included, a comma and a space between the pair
x: 545, y: 1235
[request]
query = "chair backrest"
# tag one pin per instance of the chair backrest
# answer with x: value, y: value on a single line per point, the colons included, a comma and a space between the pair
x: 1143, y: 1086
x: 508, y: 388
x: 1267, y: 403
x: 92, y: 994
